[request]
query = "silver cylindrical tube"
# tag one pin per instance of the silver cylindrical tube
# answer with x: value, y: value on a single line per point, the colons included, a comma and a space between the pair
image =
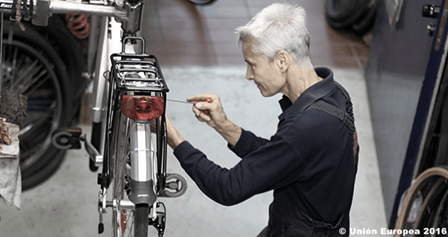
x: 100, y: 85
x: 142, y: 159
x: 58, y: 7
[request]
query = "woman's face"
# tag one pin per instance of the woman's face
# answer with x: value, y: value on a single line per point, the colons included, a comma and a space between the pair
x: 266, y: 75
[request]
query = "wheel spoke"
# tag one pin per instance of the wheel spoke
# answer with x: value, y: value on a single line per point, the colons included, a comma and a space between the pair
x: 130, y: 223
x: 25, y: 71
x: 14, y: 63
x: 30, y: 91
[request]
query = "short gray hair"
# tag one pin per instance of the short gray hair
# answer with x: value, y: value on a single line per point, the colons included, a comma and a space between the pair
x: 279, y: 27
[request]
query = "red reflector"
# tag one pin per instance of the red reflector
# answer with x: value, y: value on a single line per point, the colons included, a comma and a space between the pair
x: 142, y: 107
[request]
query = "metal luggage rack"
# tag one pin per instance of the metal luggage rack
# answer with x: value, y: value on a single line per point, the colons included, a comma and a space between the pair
x: 137, y: 72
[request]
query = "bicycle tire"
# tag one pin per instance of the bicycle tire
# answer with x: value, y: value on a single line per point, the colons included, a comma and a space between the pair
x: 66, y: 56
x: 428, y: 217
x: 73, y: 53
x: 427, y: 200
x: 428, y: 176
x: 36, y: 148
x: 439, y: 212
x: 141, y: 220
x: 48, y: 169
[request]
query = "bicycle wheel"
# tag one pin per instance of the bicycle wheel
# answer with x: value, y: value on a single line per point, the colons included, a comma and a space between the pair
x: 128, y: 222
x: 125, y: 221
x: 43, y: 63
x: 432, y: 218
x: 132, y: 222
x: 30, y: 70
x: 122, y: 219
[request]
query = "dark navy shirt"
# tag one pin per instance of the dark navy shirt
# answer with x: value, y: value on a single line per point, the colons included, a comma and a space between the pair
x: 308, y: 162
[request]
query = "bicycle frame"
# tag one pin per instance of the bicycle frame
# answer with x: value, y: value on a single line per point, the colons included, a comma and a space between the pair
x: 129, y: 91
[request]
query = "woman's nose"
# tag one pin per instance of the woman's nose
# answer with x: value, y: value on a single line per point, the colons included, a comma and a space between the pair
x: 249, y: 74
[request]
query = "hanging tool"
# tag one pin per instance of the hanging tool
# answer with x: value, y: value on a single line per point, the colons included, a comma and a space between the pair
x: 206, y: 112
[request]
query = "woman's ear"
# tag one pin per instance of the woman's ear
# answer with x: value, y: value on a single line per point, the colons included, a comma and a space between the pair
x: 283, y: 60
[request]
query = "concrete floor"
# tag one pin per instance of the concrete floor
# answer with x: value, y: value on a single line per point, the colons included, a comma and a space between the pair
x: 65, y: 205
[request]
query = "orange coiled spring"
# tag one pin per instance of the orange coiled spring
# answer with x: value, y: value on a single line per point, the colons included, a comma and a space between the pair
x: 78, y: 24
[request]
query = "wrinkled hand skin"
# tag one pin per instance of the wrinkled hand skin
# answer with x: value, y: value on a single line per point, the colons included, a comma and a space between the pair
x: 217, y: 118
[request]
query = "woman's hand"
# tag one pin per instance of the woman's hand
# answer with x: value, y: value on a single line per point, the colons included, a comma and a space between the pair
x: 216, y: 118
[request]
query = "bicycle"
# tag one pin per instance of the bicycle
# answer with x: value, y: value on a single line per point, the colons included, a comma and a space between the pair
x: 129, y: 93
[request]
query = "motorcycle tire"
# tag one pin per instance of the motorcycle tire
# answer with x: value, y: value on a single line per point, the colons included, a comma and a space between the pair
x: 368, y: 20
x: 342, y: 14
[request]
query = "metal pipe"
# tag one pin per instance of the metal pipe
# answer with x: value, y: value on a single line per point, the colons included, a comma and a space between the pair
x: 99, y: 96
x: 57, y: 7
x: 93, y: 43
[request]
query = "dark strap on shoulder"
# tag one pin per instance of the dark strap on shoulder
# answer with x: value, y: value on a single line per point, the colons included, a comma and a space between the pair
x: 346, y: 117
x: 333, y: 110
x: 348, y: 102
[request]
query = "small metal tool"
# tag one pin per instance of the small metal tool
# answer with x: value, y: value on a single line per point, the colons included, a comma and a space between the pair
x: 181, y: 101
x: 206, y: 112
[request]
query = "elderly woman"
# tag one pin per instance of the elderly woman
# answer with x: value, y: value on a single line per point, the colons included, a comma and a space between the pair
x: 310, y: 162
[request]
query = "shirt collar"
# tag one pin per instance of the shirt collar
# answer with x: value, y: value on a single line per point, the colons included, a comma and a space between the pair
x: 309, y: 96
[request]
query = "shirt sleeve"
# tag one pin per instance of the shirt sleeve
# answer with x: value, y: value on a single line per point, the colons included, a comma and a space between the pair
x: 266, y: 168
x: 247, y: 143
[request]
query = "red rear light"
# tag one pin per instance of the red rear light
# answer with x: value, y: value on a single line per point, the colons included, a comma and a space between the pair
x: 142, y: 107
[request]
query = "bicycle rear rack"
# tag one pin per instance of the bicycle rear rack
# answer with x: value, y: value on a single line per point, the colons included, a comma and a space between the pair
x: 137, y: 72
